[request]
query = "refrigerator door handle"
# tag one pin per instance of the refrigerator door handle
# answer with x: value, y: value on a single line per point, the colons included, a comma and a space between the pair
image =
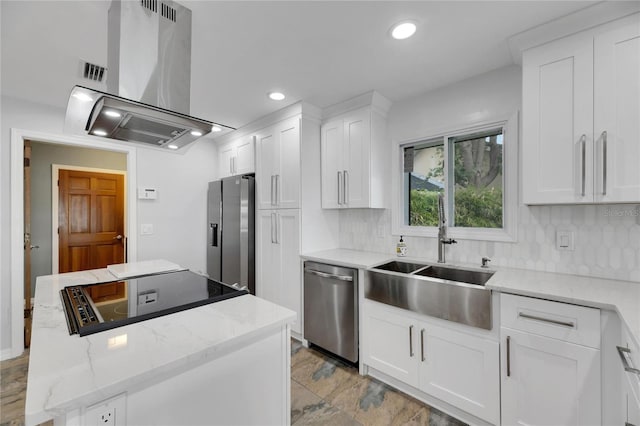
x: 214, y: 234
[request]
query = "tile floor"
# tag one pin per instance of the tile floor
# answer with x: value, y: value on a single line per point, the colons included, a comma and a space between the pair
x: 324, y: 391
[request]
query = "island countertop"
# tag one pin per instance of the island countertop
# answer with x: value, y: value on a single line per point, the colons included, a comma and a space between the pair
x: 67, y: 372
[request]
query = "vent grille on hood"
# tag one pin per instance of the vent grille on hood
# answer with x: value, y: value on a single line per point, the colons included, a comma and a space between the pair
x: 93, y: 72
x: 152, y: 5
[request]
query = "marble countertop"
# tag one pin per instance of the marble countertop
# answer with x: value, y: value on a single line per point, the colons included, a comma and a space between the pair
x: 620, y: 296
x: 68, y: 372
x: 349, y: 258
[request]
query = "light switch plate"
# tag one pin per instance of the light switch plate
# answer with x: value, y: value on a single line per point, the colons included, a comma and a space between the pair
x: 564, y: 240
x: 146, y: 229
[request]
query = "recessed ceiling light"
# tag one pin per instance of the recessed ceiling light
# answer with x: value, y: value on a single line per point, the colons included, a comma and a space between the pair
x: 195, y: 133
x: 112, y: 113
x: 216, y: 128
x: 99, y: 132
x: 403, y: 30
x: 276, y: 96
x: 83, y: 97
x: 172, y: 146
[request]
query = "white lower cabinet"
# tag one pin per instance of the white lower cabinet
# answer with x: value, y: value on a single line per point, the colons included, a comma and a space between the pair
x: 278, y: 272
x: 456, y: 367
x: 547, y: 381
x: 550, y: 363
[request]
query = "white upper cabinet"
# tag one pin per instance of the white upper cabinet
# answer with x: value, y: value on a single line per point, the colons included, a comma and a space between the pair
x: 581, y: 103
x: 354, y: 157
x: 617, y: 112
x: 236, y: 157
x: 278, y: 169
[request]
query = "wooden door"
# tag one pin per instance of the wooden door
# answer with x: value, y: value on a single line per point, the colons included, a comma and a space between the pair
x: 90, y: 220
x: 27, y: 244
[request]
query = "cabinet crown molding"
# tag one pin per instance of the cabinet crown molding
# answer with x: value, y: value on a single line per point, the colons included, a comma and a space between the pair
x: 372, y: 99
x: 299, y: 108
x: 590, y: 17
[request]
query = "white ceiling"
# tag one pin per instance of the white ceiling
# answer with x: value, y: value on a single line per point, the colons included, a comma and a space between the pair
x: 323, y: 52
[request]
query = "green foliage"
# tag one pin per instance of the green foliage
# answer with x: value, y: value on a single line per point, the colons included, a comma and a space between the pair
x: 477, y: 208
x: 423, y: 208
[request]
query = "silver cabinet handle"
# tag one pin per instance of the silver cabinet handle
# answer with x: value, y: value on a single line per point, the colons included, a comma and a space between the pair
x: 411, y: 341
x: 604, y: 162
x: 328, y: 275
x: 621, y: 351
x: 277, y: 201
x: 339, y: 188
x: 552, y: 321
x: 508, y: 356
x: 422, y: 345
x: 273, y: 228
x: 272, y: 188
x: 583, y: 143
x: 345, y: 192
x: 277, y: 228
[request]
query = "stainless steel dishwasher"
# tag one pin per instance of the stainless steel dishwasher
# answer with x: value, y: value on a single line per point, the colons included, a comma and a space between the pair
x: 331, y: 308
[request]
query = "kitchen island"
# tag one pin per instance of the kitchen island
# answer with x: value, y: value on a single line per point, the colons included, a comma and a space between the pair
x: 222, y: 363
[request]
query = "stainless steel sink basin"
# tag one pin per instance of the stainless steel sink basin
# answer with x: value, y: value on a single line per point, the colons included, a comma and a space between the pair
x: 451, y: 293
x: 405, y: 267
x: 455, y: 274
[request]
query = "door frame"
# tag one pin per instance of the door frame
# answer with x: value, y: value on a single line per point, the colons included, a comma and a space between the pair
x: 55, y: 192
x: 18, y: 136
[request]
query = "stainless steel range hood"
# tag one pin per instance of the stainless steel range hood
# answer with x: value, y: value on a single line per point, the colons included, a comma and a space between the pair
x: 148, y: 80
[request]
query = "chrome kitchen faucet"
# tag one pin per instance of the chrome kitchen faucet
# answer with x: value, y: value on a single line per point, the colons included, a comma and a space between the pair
x: 442, y: 230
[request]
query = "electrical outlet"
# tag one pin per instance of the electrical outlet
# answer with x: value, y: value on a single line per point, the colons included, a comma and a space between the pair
x: 112, y: 412
x: 108, y: 417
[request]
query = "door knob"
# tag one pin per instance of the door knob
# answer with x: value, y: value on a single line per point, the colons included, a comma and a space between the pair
x: 117, y: 237
x: 35, y: 247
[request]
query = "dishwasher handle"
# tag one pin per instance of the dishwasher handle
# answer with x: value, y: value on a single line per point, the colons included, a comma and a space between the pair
x: 327, y: 275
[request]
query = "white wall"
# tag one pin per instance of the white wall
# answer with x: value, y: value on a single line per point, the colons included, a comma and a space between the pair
x: 178, y: 215
x: 607, y: 238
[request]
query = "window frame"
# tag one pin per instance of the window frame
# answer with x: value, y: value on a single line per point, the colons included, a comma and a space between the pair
x: 510, y: 160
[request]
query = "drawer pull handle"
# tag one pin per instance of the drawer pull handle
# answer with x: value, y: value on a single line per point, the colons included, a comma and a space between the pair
x: 552, y: 321
x: 621, y: 351
x: 411, y: 341
x: 508, y: 356
x: 422, y: 345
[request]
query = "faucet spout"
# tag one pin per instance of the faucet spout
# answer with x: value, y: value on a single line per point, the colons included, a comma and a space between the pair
x: 442, y: 230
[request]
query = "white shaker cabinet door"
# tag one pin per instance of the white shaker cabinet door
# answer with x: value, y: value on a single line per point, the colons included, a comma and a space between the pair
x: 287, y: 179
x: 225, y: 161
x: 288, y: 242
x: 357, y: 153
x: 548, y: 382
x: 557, y: 126
x: 331, y: 161
x: 391, y: 343
x: 617, y: 112
x: 268, y: 257
x: 245, y: 156
x: 267, y: 165
x: 461, y: 369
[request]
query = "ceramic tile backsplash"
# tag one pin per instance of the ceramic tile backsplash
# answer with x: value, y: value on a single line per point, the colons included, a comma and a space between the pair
x: 606, y: 240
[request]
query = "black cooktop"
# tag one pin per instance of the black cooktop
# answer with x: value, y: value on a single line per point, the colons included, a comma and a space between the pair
x: 93, y: 308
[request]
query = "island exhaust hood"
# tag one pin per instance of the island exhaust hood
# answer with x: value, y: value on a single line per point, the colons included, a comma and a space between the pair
x: 148, y: 80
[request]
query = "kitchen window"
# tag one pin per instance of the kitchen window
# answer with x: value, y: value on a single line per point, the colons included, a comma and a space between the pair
x: 474, y: 169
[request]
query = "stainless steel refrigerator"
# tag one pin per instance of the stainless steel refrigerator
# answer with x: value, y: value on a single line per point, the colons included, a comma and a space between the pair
x: 231, y: 231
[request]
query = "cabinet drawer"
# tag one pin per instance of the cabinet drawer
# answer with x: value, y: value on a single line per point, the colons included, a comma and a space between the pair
x: 571, y: 323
